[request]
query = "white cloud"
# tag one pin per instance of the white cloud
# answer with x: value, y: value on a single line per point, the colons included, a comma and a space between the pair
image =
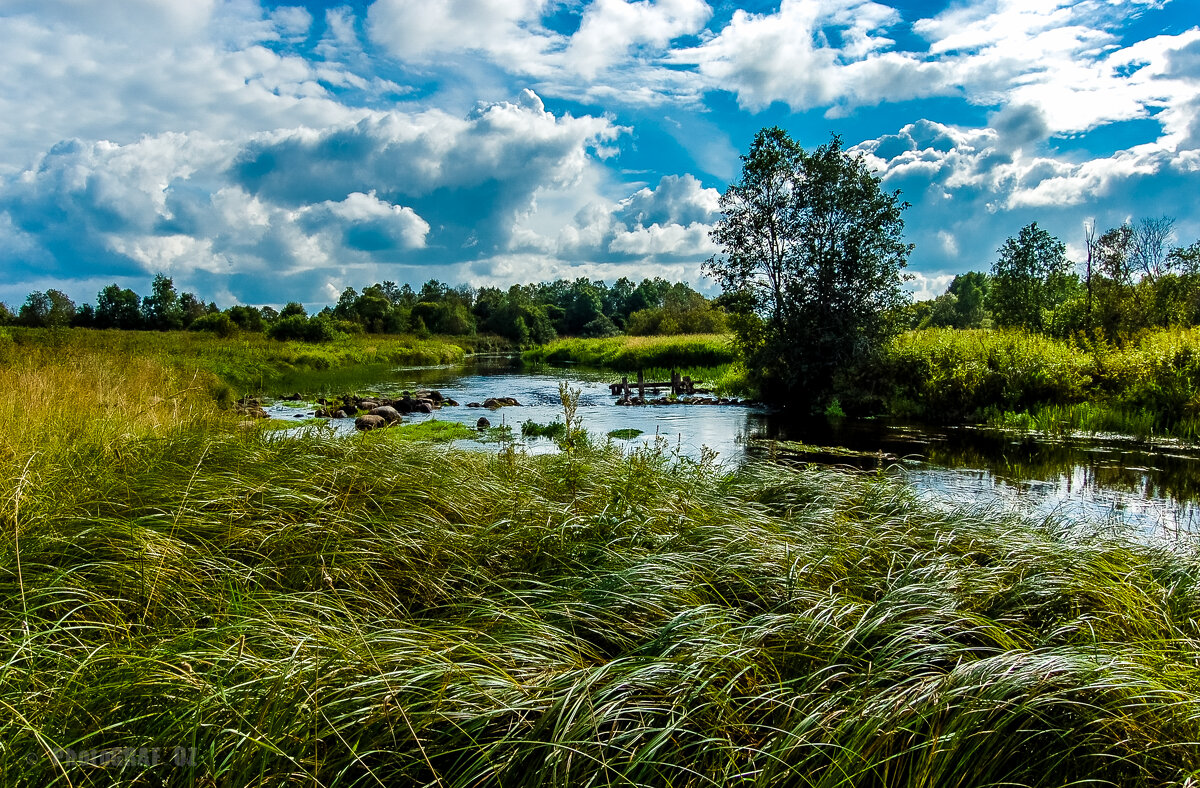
x: 787, y: 56
x: 351, y: 197
x: 122, y: 71
x: 509, y: 31
x: 611, y: 28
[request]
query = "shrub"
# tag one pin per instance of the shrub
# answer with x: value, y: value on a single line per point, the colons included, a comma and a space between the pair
x: 218, y: 323
x: 302, y: 329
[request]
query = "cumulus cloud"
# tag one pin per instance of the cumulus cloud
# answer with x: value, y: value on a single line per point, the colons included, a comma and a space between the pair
x: 509, y: 31
x: 611, y: 28
x: 812, y: 53
x: 671, y: 221
x: 392, y: 188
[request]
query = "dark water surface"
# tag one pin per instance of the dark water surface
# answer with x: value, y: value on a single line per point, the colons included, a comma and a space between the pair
x: 1154, y: 489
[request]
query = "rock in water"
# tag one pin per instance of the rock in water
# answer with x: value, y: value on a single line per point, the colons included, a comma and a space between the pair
x: 388, y: 413
x: 369, y: 422
x: 483, y: 423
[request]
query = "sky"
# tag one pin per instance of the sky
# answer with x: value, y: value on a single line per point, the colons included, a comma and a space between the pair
x: 260, y: 153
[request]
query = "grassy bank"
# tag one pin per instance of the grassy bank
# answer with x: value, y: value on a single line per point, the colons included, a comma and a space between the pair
x: 253, y: 608
x: 360, y: 611
x: 1150, y: 386
x: 246, y: 363
x: 629, y: 354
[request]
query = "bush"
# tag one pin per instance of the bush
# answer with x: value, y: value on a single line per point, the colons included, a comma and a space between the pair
x: 302, y: 329
x: 218, y: 323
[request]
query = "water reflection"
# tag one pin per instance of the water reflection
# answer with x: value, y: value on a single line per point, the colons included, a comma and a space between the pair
x: 1155, y: 489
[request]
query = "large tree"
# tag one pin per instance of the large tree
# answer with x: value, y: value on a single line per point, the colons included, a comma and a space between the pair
x: 811, y: 262
x: 1030, y: 277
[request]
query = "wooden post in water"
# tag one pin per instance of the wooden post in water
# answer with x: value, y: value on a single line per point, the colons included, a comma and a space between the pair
x: 641, y: 387
x: 675, y: 382
x: 688, y: 387
x: 625, y: 386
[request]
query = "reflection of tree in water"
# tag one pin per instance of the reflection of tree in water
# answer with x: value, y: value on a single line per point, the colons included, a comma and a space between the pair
x: 1148, y: 474
x: 1079, y: 465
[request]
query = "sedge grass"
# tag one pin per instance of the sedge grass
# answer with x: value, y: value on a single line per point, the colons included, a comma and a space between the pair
x: 363, y: 611
x: 303, y: 609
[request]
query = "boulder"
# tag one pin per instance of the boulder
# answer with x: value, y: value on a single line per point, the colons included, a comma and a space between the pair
x: 341, y: 414
x: 389, y: 414
x: 368, y: 405
x: 483, y: 423
x: 508, y: 401
x: 369, y: 422
x: 491, y: 403
x: 436, y: 396
x: 474, y: 405
x: 424, y: 406
x: 450, y: 402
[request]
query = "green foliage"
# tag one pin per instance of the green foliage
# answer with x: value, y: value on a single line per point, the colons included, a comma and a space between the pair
x: 626, y: 434
x: 367, y: 611
x: 1029, y: 279
x: 218, y: 323
x: 162, y: 309
x: 51, y: 309
x: 249, y: 362
x: 302, y: 329
x: 555, y: 430
x: 318, y: 607
x: 812, y: 251
x: 683, y: 311
x: 600, y: 327
x: 118, y: 308
x: 947, y: 375
x: 430, y: 431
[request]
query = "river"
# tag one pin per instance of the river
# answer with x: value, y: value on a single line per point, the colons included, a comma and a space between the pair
x: 1153, y: 489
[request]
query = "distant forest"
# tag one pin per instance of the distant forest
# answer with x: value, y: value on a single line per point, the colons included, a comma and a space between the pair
x: 525, y: 314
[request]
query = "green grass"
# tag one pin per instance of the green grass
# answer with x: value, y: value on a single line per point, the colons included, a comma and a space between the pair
x: 431, y: 431
x: 555, y: 429
x: 368, y: 610
x: 248, y: 362
x: 1148, y: 386
x: 629, y: 354
x: 364, y: 611
x: 626, y: 434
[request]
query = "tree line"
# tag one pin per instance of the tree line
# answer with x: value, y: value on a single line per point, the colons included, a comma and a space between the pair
x: 1134, y: 277
x: 524, y: 314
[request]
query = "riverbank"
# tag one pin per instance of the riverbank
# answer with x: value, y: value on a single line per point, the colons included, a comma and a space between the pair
x: 1147, y: 387
x: 247, y: 362
x: 196, y: 604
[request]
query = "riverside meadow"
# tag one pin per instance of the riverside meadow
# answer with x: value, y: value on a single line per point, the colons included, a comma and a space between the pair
x: 296, y: 608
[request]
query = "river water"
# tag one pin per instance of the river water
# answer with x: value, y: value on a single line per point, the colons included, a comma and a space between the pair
x: 1153, y: 489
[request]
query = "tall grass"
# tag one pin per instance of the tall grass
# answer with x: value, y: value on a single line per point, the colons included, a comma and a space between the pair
x: 357, y: 612
x: 302, y: 609
x: 1150, y: 385
x: 247, y: 362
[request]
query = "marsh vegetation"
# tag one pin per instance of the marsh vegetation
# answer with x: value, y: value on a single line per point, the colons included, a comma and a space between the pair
x: 366, y: 610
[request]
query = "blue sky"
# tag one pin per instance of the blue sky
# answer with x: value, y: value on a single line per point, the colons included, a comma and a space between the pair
x: 260, y: 152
